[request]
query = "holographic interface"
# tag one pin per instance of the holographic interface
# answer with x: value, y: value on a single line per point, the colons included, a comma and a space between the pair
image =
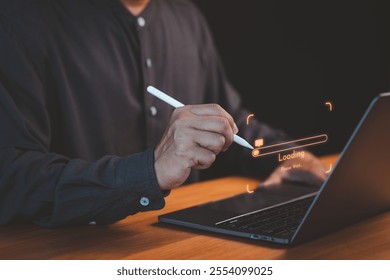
x: 261, y: 150
x: 248, y: 118
x: 289, y: 153
x: 329, y: 105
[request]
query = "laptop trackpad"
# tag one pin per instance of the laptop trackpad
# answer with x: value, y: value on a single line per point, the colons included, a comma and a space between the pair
x: 261, y: 198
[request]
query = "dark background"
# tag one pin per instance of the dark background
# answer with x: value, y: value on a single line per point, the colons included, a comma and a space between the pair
x: 287, y: 58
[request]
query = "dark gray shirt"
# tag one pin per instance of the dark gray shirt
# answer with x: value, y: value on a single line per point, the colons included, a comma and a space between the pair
x: 77, y: 126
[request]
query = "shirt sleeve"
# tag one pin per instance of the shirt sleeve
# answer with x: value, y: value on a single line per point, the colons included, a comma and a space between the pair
x: 237, y: 160
x: 50, y: 189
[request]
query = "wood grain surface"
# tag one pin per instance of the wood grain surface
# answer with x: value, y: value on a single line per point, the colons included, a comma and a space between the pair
x: 142, y: 237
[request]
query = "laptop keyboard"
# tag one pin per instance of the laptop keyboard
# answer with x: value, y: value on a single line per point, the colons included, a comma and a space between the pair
x: 281, y: 221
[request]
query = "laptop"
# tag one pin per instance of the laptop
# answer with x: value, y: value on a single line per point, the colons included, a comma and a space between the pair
x: 357, y: 188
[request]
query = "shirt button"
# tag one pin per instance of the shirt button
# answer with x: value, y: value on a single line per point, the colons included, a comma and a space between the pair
x: 153, y: 111
x: 144, y: 201
x: 148, y: 63
x: 141, y: 21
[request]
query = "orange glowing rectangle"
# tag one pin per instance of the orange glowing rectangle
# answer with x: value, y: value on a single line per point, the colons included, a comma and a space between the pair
x: 290, y: 145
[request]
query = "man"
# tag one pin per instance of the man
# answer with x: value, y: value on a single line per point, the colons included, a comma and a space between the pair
x: 81, y: 139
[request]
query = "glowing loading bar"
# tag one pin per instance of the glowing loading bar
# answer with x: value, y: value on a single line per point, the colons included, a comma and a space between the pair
x: 261, y: 151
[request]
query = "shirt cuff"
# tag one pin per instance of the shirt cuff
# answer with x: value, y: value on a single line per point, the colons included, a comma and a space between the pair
x: 137, y: 175
x: 138, y: 189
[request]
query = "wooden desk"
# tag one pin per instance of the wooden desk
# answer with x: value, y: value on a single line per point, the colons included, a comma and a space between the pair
x: 142, y: 237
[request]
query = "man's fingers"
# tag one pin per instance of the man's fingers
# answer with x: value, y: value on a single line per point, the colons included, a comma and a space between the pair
x: 202, y: 158
x: 213, y: 142
x: 212, y: 110
x: 195, y: 135
x: 207, y: 129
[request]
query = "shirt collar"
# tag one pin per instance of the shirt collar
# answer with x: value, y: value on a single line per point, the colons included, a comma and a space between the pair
x: 147, y: 13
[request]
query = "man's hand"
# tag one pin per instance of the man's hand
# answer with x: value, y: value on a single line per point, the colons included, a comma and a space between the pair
x: 195, y: 136
x: 311, y: 171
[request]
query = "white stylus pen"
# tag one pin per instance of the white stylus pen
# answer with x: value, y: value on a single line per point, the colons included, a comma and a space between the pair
x: 173, y: 102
